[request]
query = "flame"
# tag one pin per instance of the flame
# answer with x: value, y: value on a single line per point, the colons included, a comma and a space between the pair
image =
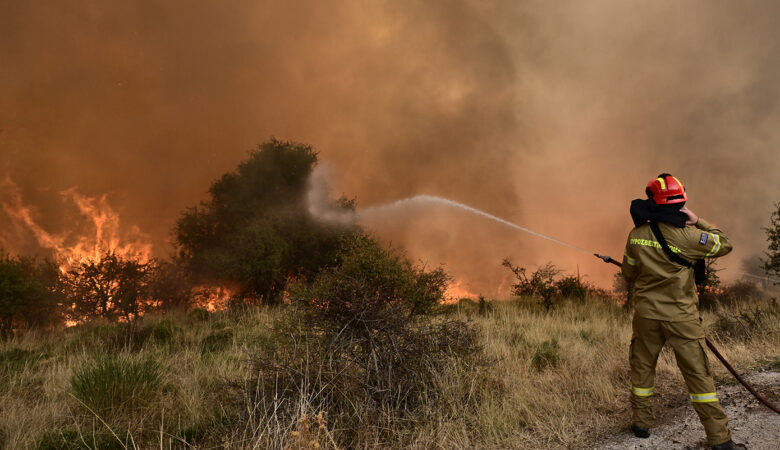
x: 72, y: 250
x: 711, y: 290
x: 69, y: 249
x: 212, y: 298
x: 457, y: 291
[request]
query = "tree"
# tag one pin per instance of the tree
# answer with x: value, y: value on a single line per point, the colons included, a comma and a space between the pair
x: 45, y: 305
x: 14, y: 284
x: 254, y: 230
x: 772, y: 264
x: 112, y: 287
x: 29, y: 293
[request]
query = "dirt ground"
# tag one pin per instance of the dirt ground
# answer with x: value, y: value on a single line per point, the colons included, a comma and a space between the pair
x: 679, y: 428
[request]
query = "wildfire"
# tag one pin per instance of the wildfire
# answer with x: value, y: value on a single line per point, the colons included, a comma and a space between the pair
x: 105, y: 236
x: 457, y: 291
x: 711, y: 290
x: 72, y: 250
x: 212, y: 298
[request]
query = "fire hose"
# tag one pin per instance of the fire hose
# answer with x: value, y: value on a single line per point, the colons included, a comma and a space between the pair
x: 424, y: 199
x: 759, y: 397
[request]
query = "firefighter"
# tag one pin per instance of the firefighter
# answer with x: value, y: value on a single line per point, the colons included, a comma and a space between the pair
x: 661, y: 254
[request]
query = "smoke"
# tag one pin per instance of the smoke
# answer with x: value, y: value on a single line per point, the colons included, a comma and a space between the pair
x: 320, y: 204
x: 552, y: 115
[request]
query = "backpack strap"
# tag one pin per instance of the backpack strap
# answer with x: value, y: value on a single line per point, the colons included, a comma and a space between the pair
x: 661, y: 240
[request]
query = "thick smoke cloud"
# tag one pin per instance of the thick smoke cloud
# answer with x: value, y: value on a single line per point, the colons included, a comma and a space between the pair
x: 549, y: 114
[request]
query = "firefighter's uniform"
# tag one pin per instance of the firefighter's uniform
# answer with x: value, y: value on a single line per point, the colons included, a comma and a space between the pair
x: 666, y: 302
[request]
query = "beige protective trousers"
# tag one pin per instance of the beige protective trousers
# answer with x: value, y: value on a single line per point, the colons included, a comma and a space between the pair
x: 687, y: 340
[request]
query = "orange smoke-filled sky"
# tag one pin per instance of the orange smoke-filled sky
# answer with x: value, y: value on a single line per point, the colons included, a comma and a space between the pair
x: 553, y: 115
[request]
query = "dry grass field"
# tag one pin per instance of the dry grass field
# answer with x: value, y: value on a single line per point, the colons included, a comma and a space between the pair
x: 555, y: 379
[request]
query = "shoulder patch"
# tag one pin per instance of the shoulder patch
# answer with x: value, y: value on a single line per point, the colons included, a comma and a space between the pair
x: 703, y: 238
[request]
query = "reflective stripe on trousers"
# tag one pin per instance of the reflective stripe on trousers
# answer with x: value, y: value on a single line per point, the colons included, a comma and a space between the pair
x: 642, y: 392
x: 704, y: 398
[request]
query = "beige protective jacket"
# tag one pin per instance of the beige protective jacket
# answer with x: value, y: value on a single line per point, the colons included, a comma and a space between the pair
x: 663, y: 289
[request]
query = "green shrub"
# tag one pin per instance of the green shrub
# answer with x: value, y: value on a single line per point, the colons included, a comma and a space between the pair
x: 361, y: 344
x: 572, y: 287
x: 216, y: 341
x: 547, y: 355
x: 115, y: 384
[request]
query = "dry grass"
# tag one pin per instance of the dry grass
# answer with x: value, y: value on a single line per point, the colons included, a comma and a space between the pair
x: 554, y: 380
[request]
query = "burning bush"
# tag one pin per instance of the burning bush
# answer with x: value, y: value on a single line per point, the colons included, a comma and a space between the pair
x: 111, y: 287
x: 254, y: 231
x: 360, y: 345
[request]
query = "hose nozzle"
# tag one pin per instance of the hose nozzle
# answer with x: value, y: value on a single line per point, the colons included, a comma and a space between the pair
x: 607, y: 259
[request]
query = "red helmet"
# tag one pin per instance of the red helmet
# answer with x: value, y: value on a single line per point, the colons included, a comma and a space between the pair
x: 666, y: 190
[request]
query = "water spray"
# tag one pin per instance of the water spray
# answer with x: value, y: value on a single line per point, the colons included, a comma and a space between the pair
x: 421, y: 200
x: 430, y: 199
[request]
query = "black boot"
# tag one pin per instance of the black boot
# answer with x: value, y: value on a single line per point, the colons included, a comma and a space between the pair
x: 641, y: 432
x: 730, y: 445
